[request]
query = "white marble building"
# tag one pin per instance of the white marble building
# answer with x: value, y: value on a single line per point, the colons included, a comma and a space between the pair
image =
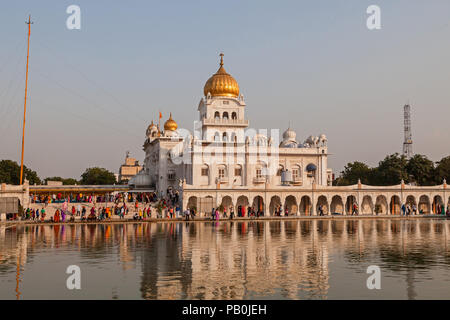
x: 224, y: 153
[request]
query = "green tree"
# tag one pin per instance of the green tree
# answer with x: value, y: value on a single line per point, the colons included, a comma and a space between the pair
x: 354, y: 171
x: 443, y: 170
x: 97, y: 176
x: 391, y: 170
x: 10, y: 173
x: 421, y: 170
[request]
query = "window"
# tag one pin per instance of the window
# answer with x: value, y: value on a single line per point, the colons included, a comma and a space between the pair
x: 296, y: 173
x: 204, y: 172
x: 171, y: 175
x: 234, y: 116
x: 259, y: 173
x: 233, y: 137
x: 226, y: 102
x: 225, y: 115
x: 221, y: 173
x: 217, y: 137
x: 224, y: 137
x: 217, y: 115
x: 238, y: 172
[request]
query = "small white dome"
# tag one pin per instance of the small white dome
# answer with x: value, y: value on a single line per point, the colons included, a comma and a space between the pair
x: 289, y: 134
x: 289, y: 139
x: 152, y: 130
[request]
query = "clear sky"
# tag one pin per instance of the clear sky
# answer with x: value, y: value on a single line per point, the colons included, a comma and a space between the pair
x: 313, y: 64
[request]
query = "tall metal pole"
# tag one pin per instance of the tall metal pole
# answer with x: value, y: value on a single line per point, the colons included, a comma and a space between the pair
x: 25, y: 103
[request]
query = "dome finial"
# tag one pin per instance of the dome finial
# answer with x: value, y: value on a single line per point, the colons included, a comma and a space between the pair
x: 221, y: 83
x: 170, y: 124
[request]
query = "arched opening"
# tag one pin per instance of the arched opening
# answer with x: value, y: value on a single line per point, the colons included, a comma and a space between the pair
x: 224, y: 137
x: 217, y: 137
x: 275, y: 205
x: 305, y: 206
x: 206, y: 205
x: 424, y: 205
x: 258, y: 205
x: 367, y: 205
x: 233, y: 138
x: 217, y: 115
x: 381, y: 205
x: 411, y: 201
x: 395, y: 205
x: 192, y: 203
x: 241, y: 206
x: 227, y: 202
x: 438, y: 205
x: 322, y: 205
x: 351, y: 200
x: 225, y: 115
x: 337, y: 205
x: 290, y: 203
x: 233, y: 115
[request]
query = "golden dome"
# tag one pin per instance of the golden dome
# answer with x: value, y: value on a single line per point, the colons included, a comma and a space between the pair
x: 221, y: 83
x: 170, y: 124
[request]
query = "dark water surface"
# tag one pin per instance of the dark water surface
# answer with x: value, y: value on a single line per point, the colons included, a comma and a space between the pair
x: 240, y: 260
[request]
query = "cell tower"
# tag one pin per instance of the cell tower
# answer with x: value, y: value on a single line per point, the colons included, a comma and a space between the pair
x: 407, y: 145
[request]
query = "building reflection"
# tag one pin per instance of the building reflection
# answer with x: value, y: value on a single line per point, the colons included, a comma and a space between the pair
x: 236, y: 260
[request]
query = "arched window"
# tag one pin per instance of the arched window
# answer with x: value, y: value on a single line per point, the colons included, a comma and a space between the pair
x: 224, y: 137
x: 225, y: 115
x: 217, y: 115
x: 238, y: 170
x: 217, y: 136
x: 233, y: 137
x: 296, y: 173
x: 234, y: 116
x: 205, y: 170
x: 222, y: 172
x: 261, y: 170
x: 311, y: 169
x: 280, y: 169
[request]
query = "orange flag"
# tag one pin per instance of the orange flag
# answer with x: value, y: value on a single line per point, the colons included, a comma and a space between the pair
x: 160, y: 115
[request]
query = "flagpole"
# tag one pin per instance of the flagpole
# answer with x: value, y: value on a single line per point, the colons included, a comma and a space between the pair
x: 25, y: 103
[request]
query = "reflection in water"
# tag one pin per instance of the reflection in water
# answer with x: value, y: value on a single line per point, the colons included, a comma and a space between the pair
x: 240, y: 260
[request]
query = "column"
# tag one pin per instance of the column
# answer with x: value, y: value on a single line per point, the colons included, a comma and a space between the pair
x: 313, y: 206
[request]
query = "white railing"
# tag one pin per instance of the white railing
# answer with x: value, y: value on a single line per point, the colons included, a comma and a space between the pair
x: 259, y: 179
x: 225, y: 122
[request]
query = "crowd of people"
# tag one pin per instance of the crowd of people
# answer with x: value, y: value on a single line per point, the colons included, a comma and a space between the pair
x: 141, y: 197
x: 165, y: 208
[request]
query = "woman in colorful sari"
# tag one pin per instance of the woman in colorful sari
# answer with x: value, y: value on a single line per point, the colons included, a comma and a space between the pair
x: 63, y: 216
x: 56, y: 216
